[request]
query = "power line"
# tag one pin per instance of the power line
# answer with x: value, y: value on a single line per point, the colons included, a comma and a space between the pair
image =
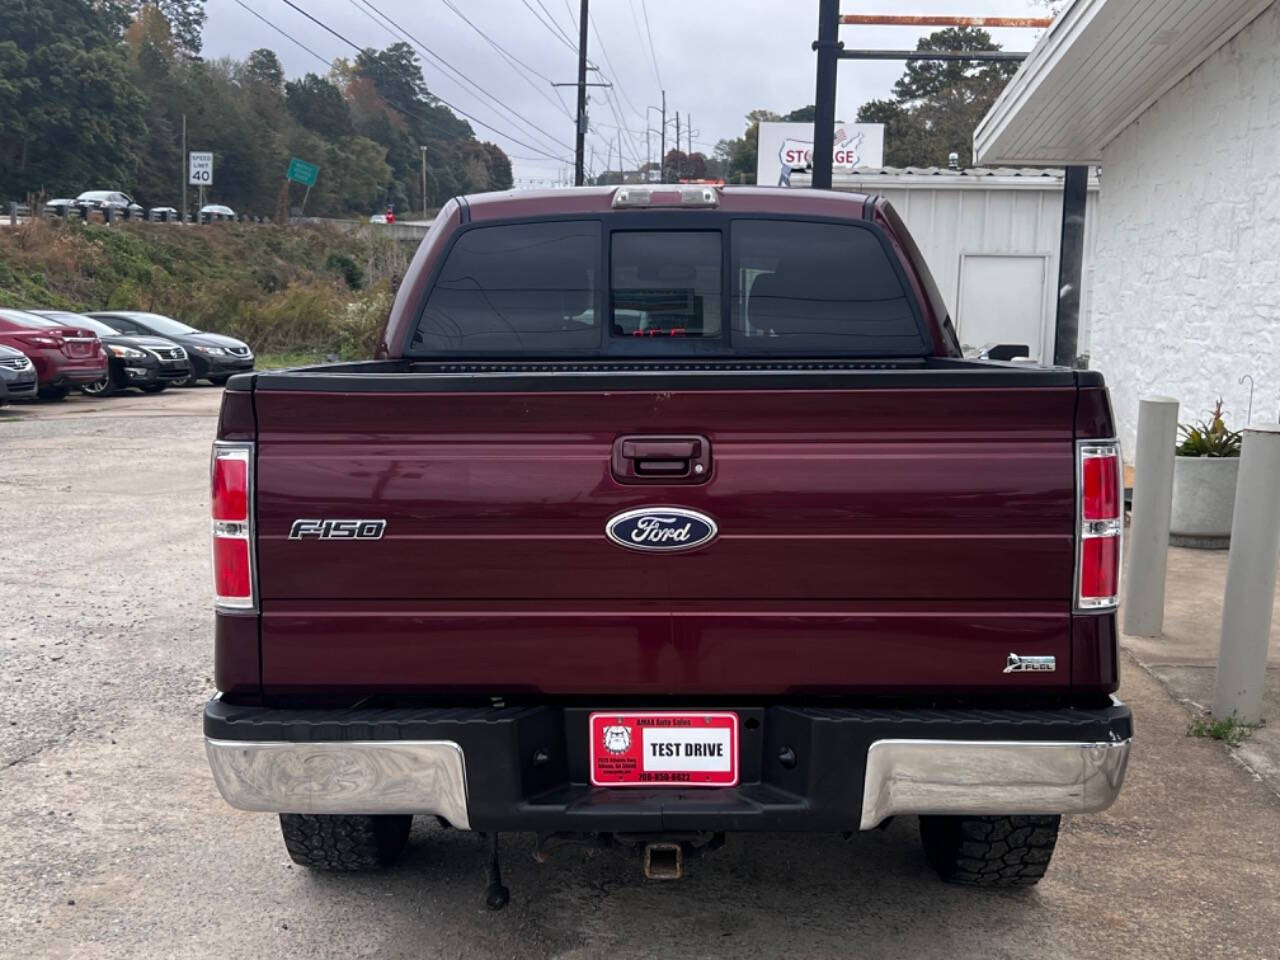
x: 329, y: 63
x: 554, y: 22
x: 554, y: 31
x: 533, y: 128
x: 653, y: 54
x: 292, y: 39
x: 515, y: 63
x: 359, y: 49
x: 609, y: 63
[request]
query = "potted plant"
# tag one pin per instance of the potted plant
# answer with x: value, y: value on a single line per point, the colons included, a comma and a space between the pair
x: 1204, y: 483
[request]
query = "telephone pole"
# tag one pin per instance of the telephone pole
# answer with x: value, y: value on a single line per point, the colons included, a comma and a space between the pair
x: 662, y: 156
x: 423, y: 147
x: 677, y: 171
x: 582, y: 94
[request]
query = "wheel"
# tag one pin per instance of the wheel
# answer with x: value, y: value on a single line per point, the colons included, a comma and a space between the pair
x: 183, y: 382
x: 102, y: 388
x: 990, y: 851
x: 53, y: 393
x: 344, y: 841
x: 154, y: 388
x: 220, y: 381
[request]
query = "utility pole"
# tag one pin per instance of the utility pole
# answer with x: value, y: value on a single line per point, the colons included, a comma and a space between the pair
x: 662, y: 156
x: 184, y: 167
x: 423, y: 147
x: 688, y: 131
x: 582, y: 94
x: 677, y: 144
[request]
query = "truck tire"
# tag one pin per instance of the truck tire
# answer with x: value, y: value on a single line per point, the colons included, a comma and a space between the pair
x: 990, y: 851
x: 344, y: 841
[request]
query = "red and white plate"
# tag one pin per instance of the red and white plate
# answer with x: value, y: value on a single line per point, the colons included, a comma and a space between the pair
x: 667, y: 749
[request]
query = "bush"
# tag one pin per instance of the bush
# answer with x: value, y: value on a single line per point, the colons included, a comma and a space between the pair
x: 295, y: 289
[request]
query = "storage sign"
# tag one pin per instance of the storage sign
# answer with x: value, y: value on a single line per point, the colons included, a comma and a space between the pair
x: 785, y: 148
x: 200, y: 169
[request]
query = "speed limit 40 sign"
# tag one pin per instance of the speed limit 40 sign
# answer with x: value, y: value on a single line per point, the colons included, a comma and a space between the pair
x: 200, y: 169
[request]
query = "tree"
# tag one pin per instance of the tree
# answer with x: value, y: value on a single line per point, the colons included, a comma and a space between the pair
x: 263, y: 69
x: 68, y: 106
x: 937, y: 105
x: 318, y: 105
x: 184, y: 17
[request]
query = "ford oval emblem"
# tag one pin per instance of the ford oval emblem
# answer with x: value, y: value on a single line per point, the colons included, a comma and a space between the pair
x: 661, y: 529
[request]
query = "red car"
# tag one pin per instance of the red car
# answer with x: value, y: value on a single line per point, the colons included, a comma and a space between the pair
x: 64, y: 355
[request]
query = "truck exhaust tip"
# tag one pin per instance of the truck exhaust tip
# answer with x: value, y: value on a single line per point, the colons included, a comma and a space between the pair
x: 663, y: 861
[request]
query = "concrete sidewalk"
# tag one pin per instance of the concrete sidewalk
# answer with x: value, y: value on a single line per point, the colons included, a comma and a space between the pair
x: 1184, y: 660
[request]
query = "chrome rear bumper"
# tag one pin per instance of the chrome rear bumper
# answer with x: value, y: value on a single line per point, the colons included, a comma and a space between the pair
x: 990, y: 777
x: 399, y: 776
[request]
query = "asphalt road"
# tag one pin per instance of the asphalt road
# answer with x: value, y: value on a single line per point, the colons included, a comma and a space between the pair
x: 114, y: 842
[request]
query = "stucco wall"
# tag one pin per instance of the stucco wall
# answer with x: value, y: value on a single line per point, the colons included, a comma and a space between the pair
x: 1186, y: 293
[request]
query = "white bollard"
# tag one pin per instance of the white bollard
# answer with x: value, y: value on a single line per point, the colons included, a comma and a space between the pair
x: 1251, y: 578
x: 1149, y: 526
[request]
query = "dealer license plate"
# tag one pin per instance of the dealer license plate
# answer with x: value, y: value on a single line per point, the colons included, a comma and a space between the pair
x: 673, y: 749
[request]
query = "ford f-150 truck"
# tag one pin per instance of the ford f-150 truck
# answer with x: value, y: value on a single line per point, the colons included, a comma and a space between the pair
x: 664, y: 513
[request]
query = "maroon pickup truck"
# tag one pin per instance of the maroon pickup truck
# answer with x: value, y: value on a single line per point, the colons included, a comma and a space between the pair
x: 667, y: 513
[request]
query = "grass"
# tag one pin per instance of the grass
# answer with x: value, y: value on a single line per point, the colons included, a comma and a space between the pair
x: 302, y: 291
x: 296, y: 358
x: 1230, y: 730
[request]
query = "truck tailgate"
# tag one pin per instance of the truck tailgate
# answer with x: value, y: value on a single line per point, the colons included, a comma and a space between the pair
x: 900, y: 539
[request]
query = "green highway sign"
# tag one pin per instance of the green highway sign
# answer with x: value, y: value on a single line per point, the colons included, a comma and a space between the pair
x: 302, y: 172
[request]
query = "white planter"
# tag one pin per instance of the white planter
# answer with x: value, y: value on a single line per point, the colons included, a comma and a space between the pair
x: 1204, y: 495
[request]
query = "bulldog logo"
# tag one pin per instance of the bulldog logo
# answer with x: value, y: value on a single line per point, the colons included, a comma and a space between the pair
x: 617, y: 739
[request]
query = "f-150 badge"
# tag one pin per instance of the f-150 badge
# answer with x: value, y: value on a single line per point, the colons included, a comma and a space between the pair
x: 661, y: 529
x: 338, y: 529
x: 1018, y: 664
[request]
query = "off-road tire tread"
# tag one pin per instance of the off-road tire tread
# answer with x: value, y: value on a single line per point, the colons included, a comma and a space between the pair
x: 1009, y: 851
x: 344, y: 842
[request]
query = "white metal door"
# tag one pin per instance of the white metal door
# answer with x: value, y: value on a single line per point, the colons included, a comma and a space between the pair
x: 1003, y: 298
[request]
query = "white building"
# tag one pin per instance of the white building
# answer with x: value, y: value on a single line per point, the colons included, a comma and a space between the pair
x: 1179, y: 102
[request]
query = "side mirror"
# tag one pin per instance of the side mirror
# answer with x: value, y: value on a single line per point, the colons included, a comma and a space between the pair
x: 1004, y: 351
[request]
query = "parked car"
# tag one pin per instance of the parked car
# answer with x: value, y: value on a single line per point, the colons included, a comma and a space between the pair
x: 216, y: 211
x: 146, y: 362
x: 17, y: 373
x: 114, y: 200
x: 670, y: 512
x: 58, y: 206
x: 214, y: 357
x: 379, y: 218
x: 65, y: 354
x: 161, y: 213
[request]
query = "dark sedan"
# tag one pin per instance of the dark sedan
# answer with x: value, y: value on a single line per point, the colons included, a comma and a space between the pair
x: 148, y: 363
x: 214, y: 357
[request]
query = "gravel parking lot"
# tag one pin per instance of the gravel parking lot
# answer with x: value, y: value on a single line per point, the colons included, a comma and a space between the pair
x: 116, y: 844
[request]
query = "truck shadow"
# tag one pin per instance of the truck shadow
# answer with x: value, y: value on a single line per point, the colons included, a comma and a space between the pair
x: 761, y: 895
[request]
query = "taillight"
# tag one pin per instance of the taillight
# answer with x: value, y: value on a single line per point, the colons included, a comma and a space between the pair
x: 1101, y: 525
x: 231, y: 481
x: 36, y: 340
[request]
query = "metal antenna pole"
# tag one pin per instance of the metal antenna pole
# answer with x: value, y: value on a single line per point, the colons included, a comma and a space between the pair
x: 662, y: 156
x: 582, y: 95
x: 184, y: 167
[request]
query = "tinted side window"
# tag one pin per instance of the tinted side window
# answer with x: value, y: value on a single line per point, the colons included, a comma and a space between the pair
x: 818, y: 288
x: 517, y: 288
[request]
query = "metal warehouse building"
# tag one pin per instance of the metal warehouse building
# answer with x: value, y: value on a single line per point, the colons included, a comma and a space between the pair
x: 991, y: 238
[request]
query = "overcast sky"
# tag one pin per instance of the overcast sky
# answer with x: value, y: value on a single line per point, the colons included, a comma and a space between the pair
x: 717, y: 59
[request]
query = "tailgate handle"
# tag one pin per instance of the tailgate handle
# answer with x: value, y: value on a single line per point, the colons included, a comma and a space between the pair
x: 661, y: 459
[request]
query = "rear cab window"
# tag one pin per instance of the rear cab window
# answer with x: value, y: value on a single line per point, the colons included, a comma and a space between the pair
x: 731, y: 286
